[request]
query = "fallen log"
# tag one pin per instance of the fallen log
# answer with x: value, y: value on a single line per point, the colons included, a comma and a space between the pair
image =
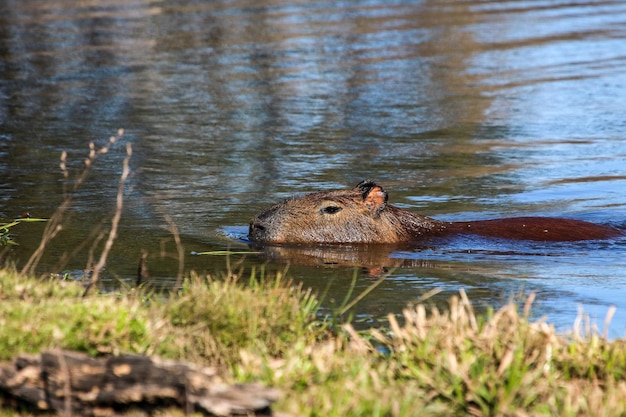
x: 74, y: 383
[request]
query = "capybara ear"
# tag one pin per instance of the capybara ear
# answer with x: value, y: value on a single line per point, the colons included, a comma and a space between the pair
x: 374, y: 197
x: 365, y: 186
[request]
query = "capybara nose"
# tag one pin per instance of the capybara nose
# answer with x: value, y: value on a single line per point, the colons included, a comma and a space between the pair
x: 257, y: 229
x: 255, y: 225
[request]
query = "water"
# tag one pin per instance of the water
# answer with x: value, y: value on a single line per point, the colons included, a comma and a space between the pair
x: 460, y: 109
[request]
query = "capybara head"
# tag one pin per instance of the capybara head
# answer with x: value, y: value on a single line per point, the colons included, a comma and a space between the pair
x: 359, y: 215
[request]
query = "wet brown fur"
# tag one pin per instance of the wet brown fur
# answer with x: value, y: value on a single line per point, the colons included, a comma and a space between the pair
x: 362, y: 215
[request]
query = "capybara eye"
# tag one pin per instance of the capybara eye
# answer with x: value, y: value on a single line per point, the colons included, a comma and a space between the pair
x: 331, y: 210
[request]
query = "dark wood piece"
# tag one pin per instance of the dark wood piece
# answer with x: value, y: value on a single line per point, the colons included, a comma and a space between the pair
x: 73, y: 383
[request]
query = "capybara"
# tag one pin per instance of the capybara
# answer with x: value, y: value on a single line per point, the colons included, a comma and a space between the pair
x: 362, y: 215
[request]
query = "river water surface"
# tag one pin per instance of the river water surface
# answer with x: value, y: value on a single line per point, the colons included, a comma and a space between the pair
x: 459, y: 109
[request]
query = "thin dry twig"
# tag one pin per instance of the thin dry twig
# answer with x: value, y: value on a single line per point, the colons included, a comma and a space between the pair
x: 114, y: 222
x: 142, y: 269
x: 179, y: 248
x: 55, y: 223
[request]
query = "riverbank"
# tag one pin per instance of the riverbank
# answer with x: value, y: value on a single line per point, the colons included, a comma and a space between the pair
x: 265, y: 329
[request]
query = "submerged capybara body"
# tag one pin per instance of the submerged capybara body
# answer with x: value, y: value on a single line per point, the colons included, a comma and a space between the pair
x: 362, y: 215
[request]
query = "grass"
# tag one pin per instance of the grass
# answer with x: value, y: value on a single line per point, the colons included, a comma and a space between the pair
x: 264, y: 328
x: 208, y: 321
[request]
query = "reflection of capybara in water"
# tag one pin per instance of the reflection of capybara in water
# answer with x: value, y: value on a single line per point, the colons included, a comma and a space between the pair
x: 362, y: 215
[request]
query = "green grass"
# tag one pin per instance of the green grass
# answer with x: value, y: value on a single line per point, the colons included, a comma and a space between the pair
x: 262, y: 328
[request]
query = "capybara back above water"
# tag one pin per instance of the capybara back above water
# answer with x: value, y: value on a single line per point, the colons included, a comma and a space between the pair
x: 362, y: 215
